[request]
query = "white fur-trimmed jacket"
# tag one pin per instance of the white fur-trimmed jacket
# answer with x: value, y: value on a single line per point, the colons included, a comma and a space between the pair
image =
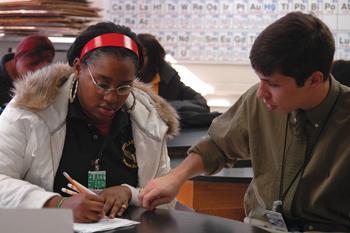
x: 33, y: 129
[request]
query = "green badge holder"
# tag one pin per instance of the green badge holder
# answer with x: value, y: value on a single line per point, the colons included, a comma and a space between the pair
x: 97, y: 180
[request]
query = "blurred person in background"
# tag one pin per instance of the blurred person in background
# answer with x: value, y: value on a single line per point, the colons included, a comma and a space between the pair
x: 33, y: 53
x: 341, y: 71
x: 165, y: 81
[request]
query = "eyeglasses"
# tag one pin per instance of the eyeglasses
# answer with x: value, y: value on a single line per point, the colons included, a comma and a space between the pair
x: 106, y: 88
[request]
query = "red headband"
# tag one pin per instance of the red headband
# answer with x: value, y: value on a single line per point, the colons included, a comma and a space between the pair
x: 110, y: 39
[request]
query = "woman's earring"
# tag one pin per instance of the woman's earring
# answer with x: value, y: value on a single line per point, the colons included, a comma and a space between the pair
x: 73, y: 90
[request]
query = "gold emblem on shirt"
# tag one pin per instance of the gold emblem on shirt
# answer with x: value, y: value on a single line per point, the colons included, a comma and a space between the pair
x: 129, y: 157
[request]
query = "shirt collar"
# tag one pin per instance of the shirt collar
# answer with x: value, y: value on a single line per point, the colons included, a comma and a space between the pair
x: 75, y: 110
x: 317, y: 116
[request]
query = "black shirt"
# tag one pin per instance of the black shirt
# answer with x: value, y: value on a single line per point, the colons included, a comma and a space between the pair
x: 6, y: 83
x: 83, y: 145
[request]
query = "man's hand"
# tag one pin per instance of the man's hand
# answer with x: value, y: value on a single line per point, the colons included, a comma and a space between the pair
x: 164, y: 189
x: 160, y: 191
x: 116, y: 200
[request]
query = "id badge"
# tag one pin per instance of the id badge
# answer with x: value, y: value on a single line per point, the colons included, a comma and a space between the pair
x: 97, y: 180
x: 276, y: 220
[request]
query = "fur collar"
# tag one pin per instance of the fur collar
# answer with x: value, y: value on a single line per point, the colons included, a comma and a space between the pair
x: 38, y: 90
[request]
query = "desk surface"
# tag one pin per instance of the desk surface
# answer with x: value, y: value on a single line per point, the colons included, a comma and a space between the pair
x: 165, y: 221
x: 230, y: 175
x: 178, y: 146
x: 188, y: 137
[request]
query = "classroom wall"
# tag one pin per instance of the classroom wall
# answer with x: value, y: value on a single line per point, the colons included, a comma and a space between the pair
x: 228, y: 80
x: 206, y: 34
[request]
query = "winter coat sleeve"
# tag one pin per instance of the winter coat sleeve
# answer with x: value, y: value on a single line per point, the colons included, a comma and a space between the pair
x: 15, y: 192
x: 162, y: 169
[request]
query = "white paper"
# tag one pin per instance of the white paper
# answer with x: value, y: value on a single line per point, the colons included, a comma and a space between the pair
x: 103, y: 225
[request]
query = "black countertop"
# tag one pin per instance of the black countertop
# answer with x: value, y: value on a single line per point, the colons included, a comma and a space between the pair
x: 235, y: 174
x: 175, y: 221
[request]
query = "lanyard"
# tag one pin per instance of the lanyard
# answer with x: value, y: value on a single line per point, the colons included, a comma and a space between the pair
x: 96, y: 161
x: 97, y: 178
x: 282, y: 194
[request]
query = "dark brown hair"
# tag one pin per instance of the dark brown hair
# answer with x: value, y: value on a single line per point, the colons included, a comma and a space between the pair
x: 295, y: 45
x: 155, y: 53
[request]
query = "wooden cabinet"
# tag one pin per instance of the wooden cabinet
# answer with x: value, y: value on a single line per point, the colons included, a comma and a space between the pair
x: 223, y: 199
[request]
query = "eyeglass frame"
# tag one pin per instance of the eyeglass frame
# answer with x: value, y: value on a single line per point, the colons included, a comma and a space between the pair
x: 109, y: 89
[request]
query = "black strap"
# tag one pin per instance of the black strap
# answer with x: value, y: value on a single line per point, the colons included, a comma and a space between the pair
x: 282, y: 194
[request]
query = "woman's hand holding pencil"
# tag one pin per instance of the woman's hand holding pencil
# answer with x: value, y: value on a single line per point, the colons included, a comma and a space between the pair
x: 86, y: 205
x: 115, y: 198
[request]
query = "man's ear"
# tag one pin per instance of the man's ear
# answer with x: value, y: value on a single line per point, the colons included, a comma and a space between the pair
x: 315, y: 79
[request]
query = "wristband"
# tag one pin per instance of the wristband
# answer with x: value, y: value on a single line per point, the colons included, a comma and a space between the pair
x: 59, y: 204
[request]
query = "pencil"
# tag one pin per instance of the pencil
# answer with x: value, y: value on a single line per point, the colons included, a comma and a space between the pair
x: 81, y: 188
x: 68, y: 191
x: 72, y: 187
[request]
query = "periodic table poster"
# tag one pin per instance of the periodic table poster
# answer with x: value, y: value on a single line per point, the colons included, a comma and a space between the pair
x: 221, y: 31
